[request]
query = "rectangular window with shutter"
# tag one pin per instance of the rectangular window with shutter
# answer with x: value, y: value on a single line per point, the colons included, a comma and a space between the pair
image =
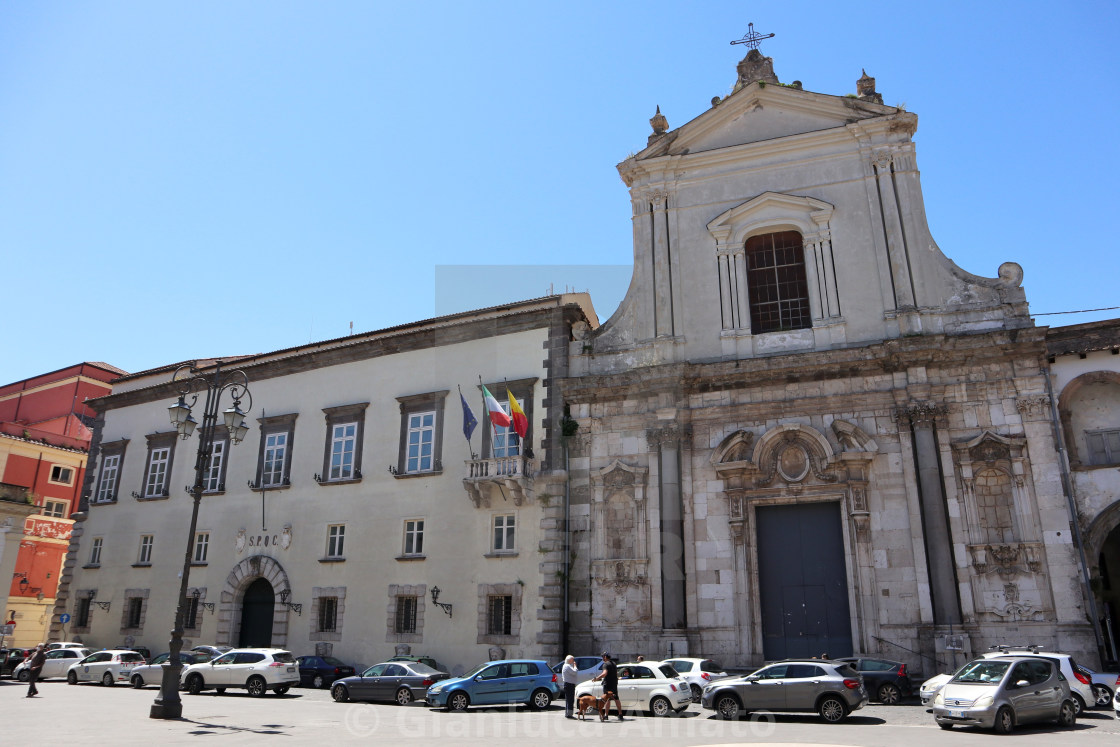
x: 1104, y: 446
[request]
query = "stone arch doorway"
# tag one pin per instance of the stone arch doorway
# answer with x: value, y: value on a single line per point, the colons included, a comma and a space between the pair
x: 257, y: 607
x: 236, y: 592
x: 1107, y: 588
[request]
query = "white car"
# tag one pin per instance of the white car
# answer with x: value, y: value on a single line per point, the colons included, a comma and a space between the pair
x: 64, y: 644
x: 1080, y: 686
x: 1104, y: 684
x: 587, y: 667
x: 646, y: 686
x: 698, y: 673
x: 152, y: 672
x: 255, y: 669
x: 56, y: 665
x: 107, y: 667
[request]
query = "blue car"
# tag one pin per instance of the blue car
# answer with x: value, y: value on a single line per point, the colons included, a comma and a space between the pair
x: 498, y: 683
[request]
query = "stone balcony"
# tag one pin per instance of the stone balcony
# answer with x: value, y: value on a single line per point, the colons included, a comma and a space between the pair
x: 510, y: 477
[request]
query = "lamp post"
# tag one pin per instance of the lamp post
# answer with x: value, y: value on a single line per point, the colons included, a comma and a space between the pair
x: 190, y: 384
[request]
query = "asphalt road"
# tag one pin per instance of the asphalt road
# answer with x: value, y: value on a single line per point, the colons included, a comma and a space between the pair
x: 88, y: 714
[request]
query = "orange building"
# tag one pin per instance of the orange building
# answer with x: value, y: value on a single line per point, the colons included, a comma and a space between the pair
x: 45, y: 431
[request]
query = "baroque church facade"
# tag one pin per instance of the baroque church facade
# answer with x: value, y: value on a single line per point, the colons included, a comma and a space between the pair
x: 806, y: 430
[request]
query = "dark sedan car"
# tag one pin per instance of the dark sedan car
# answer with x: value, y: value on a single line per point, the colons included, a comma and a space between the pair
x: 321, y: 671
x: 10, y: 658
x: 399, y: 681
x: 886, y: 681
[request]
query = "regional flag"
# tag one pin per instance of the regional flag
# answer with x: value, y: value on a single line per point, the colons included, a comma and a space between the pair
x: 469, y: 420
x: 520, y: 422
x: 497, y: 414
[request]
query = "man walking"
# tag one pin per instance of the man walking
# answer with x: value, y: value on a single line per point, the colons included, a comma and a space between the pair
x: 34, y: 667
x: 570, y: 675
x: 609, y: 676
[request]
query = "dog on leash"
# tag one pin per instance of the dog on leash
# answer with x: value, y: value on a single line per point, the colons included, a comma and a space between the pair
x: 587, y: 703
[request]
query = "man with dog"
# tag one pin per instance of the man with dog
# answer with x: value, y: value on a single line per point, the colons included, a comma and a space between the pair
x: 609, y: 676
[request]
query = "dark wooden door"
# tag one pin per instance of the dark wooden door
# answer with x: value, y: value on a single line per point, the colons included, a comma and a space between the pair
x: 803, y: 582
x: 256, y: 615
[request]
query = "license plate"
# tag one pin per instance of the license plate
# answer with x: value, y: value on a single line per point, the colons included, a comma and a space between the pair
x: 125, y: 666
x: 957, y: 714
x: 291, y: 669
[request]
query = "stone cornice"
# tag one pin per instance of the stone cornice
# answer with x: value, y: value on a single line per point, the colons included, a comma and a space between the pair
x: 930, y: 351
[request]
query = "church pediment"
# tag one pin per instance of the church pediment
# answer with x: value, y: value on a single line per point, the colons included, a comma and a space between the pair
x: 762, y: 111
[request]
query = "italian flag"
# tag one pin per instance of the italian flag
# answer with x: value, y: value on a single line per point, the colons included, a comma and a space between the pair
x: 497, y: 414
x: 520, y: 422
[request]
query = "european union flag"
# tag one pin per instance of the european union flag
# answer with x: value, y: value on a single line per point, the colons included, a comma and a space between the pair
x: 470, y: 422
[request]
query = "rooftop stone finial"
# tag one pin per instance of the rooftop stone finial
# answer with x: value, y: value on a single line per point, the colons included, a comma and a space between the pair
x: 754, y: 67
x: 659, y: 124
x: 865, y: 88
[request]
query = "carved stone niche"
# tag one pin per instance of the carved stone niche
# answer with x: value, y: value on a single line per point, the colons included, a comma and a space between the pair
x: 991, y: 475
x: 618, y: 514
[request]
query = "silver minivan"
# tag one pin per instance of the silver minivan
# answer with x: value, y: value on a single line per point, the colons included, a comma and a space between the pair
x: 1003, y: 693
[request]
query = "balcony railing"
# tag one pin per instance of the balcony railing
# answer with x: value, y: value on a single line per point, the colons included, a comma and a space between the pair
x: 510, y: 476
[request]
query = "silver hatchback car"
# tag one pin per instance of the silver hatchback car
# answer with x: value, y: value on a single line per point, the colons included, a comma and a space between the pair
x: 1003, y: 693
x: 831, y: 688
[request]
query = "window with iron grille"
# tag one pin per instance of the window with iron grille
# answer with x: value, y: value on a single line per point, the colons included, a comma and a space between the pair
x: 328, y: 614
x: 81, y: 617
x: 406, y: 614
x: 191, y: 618
x: 135, y: 609
x: 776, y: 285
x: 499, y: 615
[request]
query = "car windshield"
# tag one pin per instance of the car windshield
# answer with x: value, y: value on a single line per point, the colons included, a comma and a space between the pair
x: 982, y: 672
x: 334, y: 662
x: 682, y: 666
x: 284, y: 657
x: 422, y: 669
x: 477, y: 669
x: 132, y: 656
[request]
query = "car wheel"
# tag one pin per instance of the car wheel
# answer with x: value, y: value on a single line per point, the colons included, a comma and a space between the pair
x: 317, y: 682
x: 889, y: 694
x: 24, y: 675
x: 944, y: 725
x: 107, y: 679
x: 1104, y: 695
x: 660, y: 706
x: 404, y: 696
x: 458, y: 701
x: 194, y: 684
x: 137, y: 681
x: 220, y: 690
x: 282, y: 690
x: 728, y: 707
x: 340, y: 694
x: 697, y: 693
x: 1066, y: 717
x: 832, y: 709
x: 256, y: 686
x: 1078, y: 705
x: 71, y: 678
x: 1005, y: 721
x: 540, y: 700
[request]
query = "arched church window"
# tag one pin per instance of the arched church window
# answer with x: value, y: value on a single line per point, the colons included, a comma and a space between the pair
x: 776, y: 285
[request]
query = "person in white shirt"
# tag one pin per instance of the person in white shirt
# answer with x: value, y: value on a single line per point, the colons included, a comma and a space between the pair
x: 570, y: 675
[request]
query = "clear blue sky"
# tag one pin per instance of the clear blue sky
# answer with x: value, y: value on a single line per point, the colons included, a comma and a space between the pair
x: 182, y: 179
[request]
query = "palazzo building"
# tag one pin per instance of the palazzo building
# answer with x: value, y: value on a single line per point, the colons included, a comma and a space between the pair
x: 354, y: 519
x: 806, y: 430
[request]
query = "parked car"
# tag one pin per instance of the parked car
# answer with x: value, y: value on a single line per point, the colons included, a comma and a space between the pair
x: 1115, y: 697
x: 321, y: 671
x: 152, y: 672
x: 646, y: 686
x: 587, y: 667
x: 255, y: 669
x: 71, y: 644
x: 1103, y: 684
x: 400, y: 682
x: 57, y: 664
x: 429, y: 661
x: 698, y: 673
x: 214, y: 651
x: 885, y: 680
x: 142, y: 650
x: 1002, y: 693
x: 107, y: 667
x: 498, y: 683
x: 1080, y: 685
x: 831, y: 688
x: 10, y: 658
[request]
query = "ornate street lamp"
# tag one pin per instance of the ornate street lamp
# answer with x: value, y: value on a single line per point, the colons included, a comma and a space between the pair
x: 190, y: 383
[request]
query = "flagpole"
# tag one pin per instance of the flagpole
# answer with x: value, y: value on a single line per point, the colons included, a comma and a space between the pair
x: 486, y: 409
